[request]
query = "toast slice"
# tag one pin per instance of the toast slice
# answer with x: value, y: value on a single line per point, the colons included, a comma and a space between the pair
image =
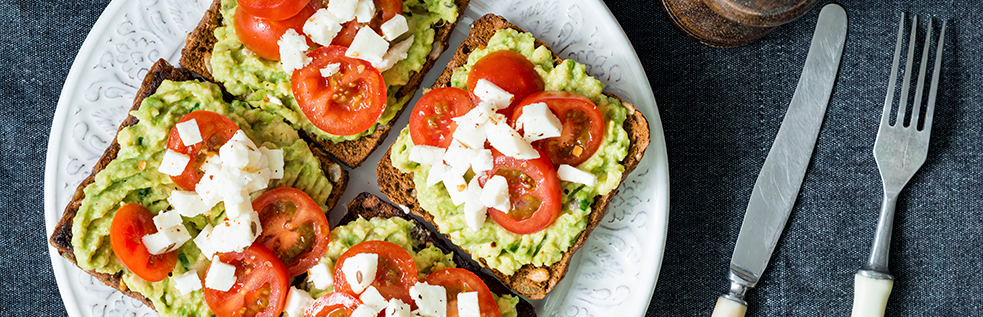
x: 61, y: 237
x: 196, y: 56
x: 367, y: 206
x: 531, y: 281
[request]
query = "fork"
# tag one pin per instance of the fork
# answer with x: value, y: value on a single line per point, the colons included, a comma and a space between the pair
x: 900, y: 150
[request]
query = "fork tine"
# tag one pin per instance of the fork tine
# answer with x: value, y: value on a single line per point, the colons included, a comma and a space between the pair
x: 920, y: 87
x: 905, y: 85
x: 930, y: 109
x: 886, y: 114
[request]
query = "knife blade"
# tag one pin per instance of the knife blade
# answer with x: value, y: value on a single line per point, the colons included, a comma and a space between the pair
x: 781, y: 175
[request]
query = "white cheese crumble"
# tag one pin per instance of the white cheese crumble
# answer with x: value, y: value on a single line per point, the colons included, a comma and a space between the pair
x: 293, y: 51
x: 188, y: 132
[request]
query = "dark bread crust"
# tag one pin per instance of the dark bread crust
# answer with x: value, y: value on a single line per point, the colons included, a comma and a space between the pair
x: 61, y: 237
x: 368, y: 206
x: 197, y: 53
x: 531, y: 281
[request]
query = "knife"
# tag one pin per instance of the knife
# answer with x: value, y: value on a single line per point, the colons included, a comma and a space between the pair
x: 781, y: 175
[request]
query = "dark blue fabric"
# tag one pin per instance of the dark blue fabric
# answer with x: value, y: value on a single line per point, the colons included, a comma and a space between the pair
x: 720, y: 108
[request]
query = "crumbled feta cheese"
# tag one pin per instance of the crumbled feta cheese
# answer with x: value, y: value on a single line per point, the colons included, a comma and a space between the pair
x: 166, y: 240
x: 208, y: 189
x: 475, y: 212
x: 187, y: 203
x: 237, y: 233
x: 330, y: 69
x: 188, y: 132
x: 395, y: 54
x: 489, y: 92
x: 572, y: 174
x: 360, y: 271
x: 538, y: 122
x: 456, y: 187
x: 368, y: 46
x: 436, y: 174
x: 467, y: 305
x: 395, y: 27
x: 321, y: 274
x: 458, y: 157
x: 496, y: 194
x: 396, y: 308
x: 234, y: 210
x: 203, y: 242
x: 322, y: 27
x: 373, y: 298
x: 504, y: 139
x: 166, y: 219
x: 275, y: 161
x: 431, y: 299
x: 364, y: 11
x: 425, y: 154
x: 482, y: 161
x: 342, y: 10
x: 187, y: 282
x: 256, y: 181
x: 173, y: 163
x: 220, y: 276
x: 297, y: 302
x: 293, y: 51
x: 234, y: 154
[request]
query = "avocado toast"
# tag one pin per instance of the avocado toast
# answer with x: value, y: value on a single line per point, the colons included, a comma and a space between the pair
x: 214, y: 51
x: 127, y: 172
x: 535, y: 275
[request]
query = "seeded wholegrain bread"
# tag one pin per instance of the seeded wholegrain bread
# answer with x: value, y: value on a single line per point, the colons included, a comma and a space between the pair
x: 197, y: 53
x: 531, y: 281
x: 368, y: 206
x: 61, y: 237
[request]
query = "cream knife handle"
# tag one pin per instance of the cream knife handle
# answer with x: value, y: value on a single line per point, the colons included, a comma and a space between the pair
x: 727, y: 307
x: 870, y: 295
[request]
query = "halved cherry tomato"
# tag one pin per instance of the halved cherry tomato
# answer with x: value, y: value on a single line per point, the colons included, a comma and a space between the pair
x: 430, y: 122
x: 260, y: 35
x: 348, y: 102
x: 132, y: 222
x: 294, y: 228
x: 534, y: 193
x: 215, y: 130
x: 273, y: 9
x: 261, y: 284
x: 395, y: 274
x: 337, y: 304
x: 508, y: 70
x: 457, y: 281
x: 583, y: 126
x: 386, y: 9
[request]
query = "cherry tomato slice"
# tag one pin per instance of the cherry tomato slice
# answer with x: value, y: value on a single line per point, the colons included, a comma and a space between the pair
x: 395, y: 274
x: 386, y: 9
x: 261, y: 284
x: 132, y: 222
x: 294, y: 228
x: 215, y: 130
x: 430, y: 121
x: 534, y: 192
x: 260, y: 35
x: 457, y: 281
x: 273, y: 9
x: 583, y: 126
x: 346, y: 103
x: 337, y: 304
x: 510, y: 71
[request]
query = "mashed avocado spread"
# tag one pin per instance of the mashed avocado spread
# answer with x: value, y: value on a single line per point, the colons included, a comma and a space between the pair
x: 397, y: 230
x: 251, y: 77
x: 499, y: 248
x: 133, y: 177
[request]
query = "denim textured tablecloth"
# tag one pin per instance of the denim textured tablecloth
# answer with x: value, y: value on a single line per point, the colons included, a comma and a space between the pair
x: 720, y: 108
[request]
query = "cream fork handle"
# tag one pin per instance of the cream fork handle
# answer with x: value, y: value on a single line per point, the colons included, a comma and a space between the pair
x: 870, y: 295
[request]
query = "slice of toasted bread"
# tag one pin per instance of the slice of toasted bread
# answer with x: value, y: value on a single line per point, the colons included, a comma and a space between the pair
x: 531, y: 281
x: 61, y: 238
x: 196, y: 56
x: 367, y: 206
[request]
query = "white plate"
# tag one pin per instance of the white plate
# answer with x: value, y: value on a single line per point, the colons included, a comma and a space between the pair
x: 614, y: 273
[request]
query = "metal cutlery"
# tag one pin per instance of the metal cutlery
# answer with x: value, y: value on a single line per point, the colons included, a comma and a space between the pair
x: 900, y: 150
